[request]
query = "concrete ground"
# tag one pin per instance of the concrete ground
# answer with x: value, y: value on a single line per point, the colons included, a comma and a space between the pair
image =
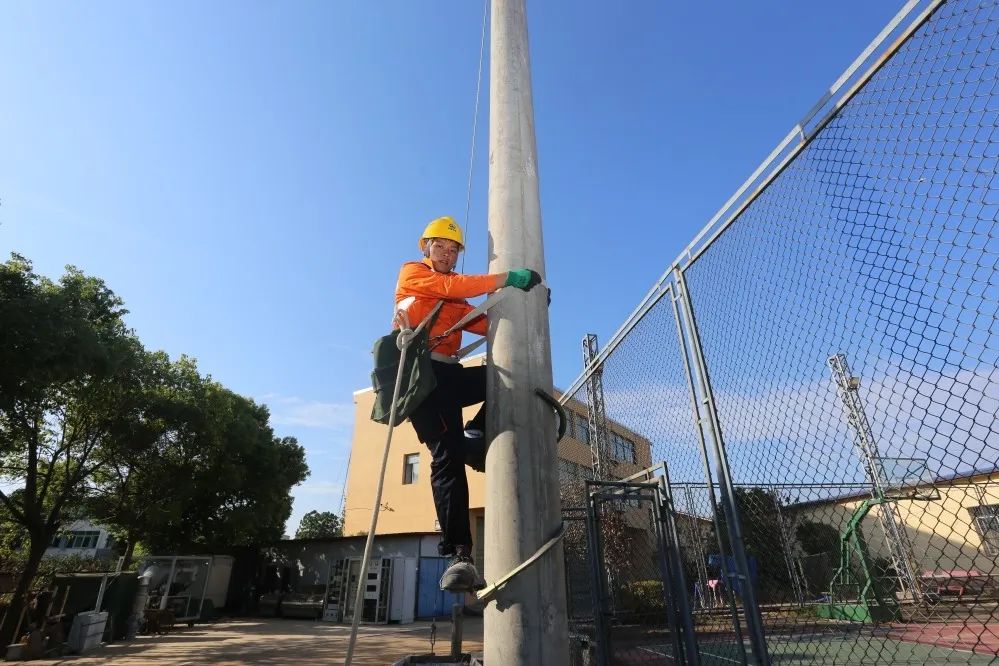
x: 277, y: 641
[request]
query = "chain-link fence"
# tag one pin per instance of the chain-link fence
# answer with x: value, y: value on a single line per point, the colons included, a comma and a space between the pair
x: 816, y: 378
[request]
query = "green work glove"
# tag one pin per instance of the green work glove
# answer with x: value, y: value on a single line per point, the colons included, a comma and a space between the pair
x: 522, y: 278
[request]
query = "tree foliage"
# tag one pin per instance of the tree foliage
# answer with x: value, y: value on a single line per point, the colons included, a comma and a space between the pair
x: 765, y: 539
x: 68, y: 382
x: 816, y: 538
x: 236, y: 474
x: 92, y: 422
x: 319, y: 524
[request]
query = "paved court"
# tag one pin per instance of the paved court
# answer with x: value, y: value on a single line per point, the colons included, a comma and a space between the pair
x: 821, y: 649
x: 276, y: 641
x: 967, y: 635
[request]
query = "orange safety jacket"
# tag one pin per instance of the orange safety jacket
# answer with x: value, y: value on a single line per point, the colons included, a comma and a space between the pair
x: 420, y: 287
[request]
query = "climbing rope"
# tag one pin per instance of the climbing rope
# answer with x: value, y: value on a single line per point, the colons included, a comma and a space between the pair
x: 475, y: 124
x: 403, y: 341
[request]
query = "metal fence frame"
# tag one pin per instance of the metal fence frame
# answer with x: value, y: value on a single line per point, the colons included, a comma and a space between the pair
x: 919, y: 11
x: 718, y: 479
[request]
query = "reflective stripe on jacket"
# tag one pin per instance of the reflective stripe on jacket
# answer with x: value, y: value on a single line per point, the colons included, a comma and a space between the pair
x: 420, y: 287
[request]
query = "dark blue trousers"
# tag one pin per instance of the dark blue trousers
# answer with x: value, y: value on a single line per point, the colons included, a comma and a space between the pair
x: 438, y: 424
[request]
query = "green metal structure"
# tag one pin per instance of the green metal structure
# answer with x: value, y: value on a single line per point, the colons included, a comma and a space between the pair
x: 859, y: 596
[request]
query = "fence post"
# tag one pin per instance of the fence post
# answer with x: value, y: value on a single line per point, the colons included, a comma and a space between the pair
x: 709, y: 479
x: 754, y: 621
x: 694, y: 533
x: 667, y: 524
x: 456, y: 630
x: 596, y: 571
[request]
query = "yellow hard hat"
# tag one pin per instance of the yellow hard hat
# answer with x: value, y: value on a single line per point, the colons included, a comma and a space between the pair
x: 442, y: 227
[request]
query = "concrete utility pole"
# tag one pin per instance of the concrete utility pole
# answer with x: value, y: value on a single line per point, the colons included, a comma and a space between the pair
x: 526, y: 624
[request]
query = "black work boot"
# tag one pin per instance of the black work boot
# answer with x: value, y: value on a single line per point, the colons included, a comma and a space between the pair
x: 461, y: 574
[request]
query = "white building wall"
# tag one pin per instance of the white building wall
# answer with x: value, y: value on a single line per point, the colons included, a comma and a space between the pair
x: 81, y: 537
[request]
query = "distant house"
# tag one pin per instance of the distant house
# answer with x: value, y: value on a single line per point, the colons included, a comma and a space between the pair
x: 952, y: 532
x: 82, y: 538
x: 317, y: 578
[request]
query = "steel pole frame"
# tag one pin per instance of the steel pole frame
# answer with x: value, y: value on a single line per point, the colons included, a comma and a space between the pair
x: 695, y: 538
x: 670, y: 589
x: 785, y: 537
x: 699, y: 424
x: 667, y: 517
x: 754, y: 621
x: 597, y: 413
x: 597, y: 574
x: 594, y: 499
x: 899, y: 544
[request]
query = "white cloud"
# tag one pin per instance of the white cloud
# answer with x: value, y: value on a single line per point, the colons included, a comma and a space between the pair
x: 796, y: 432
x: 314, y: 488
x: 293, y: 411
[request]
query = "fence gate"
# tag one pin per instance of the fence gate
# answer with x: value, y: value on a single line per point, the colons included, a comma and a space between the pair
x: 638, y: 587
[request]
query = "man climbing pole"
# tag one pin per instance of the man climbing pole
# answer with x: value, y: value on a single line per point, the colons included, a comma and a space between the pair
x: 438, y: 419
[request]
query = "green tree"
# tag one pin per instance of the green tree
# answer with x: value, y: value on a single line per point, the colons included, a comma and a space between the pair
x: 764, y: 539
x: 92, y: 423
x: 237, y: 478
x: 12, y: 539
x: 136, y: 489
x: 68, y: 385
x: 236, y: 474
x: 821, y: 544
x: 319, y: 524
x: 816, y: 538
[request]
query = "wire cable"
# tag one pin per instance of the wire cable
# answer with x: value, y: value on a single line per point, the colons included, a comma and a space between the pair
x: 475, y: 124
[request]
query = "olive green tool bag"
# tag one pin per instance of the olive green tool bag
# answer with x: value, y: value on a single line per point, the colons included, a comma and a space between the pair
x: 417, y: 380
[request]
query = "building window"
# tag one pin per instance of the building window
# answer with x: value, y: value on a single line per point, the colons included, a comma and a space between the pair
x: 86, y: 539
x: 583, y: 430
x: 986, y: 519
x: 624, y: 449
x: 570, y: 472
x: 564, y: 470
x: 411, y: 468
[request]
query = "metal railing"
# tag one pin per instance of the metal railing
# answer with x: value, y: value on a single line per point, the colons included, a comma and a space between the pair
x: 819, y: 372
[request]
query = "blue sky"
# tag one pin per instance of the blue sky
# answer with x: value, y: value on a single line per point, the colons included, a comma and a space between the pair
x: 248, y: 176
